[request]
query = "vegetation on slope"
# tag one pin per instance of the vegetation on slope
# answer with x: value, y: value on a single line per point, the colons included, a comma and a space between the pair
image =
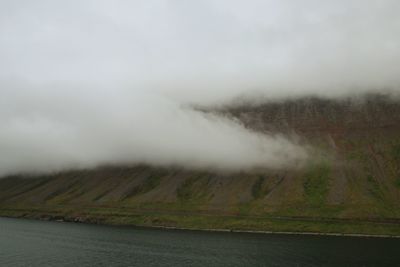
x: 352, y: 183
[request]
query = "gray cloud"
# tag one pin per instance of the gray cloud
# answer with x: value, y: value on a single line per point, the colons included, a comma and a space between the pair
x: 85, y: 83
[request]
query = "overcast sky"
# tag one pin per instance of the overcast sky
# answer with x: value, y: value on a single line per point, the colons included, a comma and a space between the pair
x: 85, y: 83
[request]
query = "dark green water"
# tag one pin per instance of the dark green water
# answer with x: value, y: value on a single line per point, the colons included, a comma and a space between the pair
x: 39, y: 243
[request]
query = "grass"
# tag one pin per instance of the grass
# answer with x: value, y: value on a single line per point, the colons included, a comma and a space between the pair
x: 193, y: 190
x: 149, y: 183
x: 397, y: 182
x: 316, y: 184
x: 396, y: 152
x: 257, y: 188
x: 306, y: 194
x: 185, y: 190
x: 118, y: 216
x: 374, y: 187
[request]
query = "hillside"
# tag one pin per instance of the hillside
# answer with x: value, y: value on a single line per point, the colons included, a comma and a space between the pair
x: 351, y: 183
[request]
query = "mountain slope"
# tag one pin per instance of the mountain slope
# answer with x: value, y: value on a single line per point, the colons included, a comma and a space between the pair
x: 350, y: 184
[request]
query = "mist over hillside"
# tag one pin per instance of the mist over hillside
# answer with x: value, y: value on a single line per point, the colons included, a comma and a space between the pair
x: 92, y: 83
x: 349, y: 183
x: 256, y: 115
x: 86, y: 84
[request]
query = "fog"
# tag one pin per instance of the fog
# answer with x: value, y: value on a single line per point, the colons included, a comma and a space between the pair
x: 89, y: 83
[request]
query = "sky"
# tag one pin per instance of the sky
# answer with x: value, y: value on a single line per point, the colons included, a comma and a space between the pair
x: 87, y: 83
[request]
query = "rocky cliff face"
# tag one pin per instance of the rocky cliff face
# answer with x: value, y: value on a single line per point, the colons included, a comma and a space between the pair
x: 354, y: 172
x: 315, y: 115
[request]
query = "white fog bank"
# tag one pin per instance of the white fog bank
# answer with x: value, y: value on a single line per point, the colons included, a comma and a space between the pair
x: 87, y: 83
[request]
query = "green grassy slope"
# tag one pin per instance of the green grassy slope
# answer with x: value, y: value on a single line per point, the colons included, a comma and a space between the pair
x: 351, y: 184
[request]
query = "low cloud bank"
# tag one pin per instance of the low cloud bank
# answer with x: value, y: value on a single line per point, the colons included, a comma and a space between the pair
x: 86, y: 83
x: 77, y: 129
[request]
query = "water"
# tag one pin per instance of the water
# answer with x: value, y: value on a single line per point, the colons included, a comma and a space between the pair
x: 40, y: 243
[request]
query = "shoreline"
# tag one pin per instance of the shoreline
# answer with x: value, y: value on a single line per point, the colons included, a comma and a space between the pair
x: 218, y: 230
x: 265, y: 232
